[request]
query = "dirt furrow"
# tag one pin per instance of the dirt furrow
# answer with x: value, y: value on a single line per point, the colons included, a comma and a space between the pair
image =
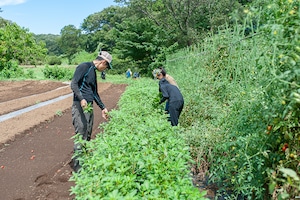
x: 14, y: 104
x: 30, y: 119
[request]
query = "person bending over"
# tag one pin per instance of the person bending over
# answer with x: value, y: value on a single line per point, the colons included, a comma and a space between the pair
x: 173, y: 95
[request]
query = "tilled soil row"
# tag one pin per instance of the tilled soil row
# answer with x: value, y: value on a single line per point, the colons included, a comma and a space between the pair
x: 35, y: 164
x: 10, y: 90
x: 14, y: 104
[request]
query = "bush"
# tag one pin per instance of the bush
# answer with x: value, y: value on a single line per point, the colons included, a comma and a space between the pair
x: 11, y: 69
x: 54, y: 60
x: 58, y: 73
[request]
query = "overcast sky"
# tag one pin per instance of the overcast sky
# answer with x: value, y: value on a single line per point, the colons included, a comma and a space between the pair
x: 50, y: 16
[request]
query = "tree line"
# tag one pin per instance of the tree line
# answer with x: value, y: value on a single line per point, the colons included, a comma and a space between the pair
x: 139, y: 33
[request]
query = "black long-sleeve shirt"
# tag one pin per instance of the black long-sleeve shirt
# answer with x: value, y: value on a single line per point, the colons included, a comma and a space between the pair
x: 169, y: 91
x: 84, y: 84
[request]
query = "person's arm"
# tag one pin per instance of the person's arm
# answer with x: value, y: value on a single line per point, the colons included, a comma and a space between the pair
x: 101, y: 105
x: 165, y: 95
x: 163, y: 99
x: 99, y: 102
x: 78, y: 75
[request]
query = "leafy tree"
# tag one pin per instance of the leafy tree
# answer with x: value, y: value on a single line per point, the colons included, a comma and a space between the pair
x: 51, y: 42
x: 18, y: 44
x: 187, y: 21
x: 217, y: 13
x: 104, y: 20
x: 69, y: 41
x: 3, y: 22
x: 97, y: 28
x: 140, y: 40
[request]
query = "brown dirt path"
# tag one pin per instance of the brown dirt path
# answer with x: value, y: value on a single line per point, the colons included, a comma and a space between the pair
x: 36, y: 147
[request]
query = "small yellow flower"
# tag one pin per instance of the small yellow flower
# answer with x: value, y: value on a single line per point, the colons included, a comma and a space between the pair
x: 281, y: 56
x: 292, y: 12
x: 283, y: 102
x: 275, y: 32
x: 290, y: 1
x: 246, y: 11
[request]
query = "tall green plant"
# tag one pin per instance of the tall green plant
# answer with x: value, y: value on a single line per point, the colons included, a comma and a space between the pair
x: 282, y: 28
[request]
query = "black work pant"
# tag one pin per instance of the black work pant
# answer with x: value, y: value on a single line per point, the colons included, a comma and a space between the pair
x: 175, y: 109
x: 83, y: 124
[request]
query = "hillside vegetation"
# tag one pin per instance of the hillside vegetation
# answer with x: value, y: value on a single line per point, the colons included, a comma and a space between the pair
x: 242, y: 111
x: 241, y: 121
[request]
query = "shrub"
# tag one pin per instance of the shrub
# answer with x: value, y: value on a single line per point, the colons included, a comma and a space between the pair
x: 58, y: 73
x: 53, y: 60
x: 11, y: 69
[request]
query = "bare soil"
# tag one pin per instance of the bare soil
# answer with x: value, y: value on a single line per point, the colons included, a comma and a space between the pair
x: 36, y: 147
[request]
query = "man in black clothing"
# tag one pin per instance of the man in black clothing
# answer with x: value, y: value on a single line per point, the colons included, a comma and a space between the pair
x: 174, y: 96
x: 85, y: 90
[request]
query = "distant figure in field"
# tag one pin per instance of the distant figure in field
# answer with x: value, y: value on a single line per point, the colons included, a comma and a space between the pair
x: 136, y: 75
x: 103, y: 75
x: 128, y: 73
